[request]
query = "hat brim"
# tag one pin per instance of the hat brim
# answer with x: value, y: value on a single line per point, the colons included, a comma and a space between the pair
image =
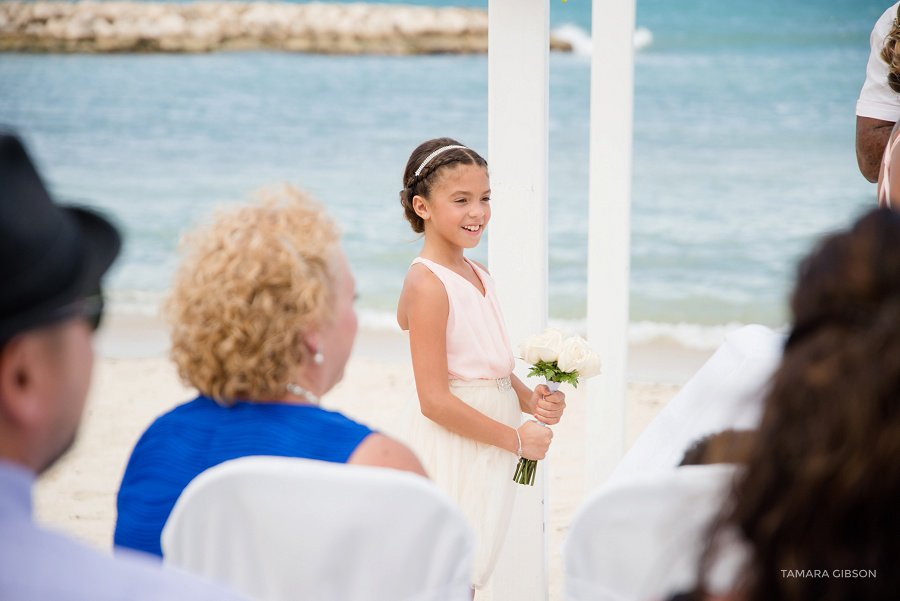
x: 101, y: 245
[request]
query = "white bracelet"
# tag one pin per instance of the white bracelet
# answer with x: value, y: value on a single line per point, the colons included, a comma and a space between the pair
x: 519, y: 452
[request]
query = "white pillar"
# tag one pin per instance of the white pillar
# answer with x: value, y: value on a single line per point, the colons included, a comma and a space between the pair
x: 518, y: 97
x: 609, y: 233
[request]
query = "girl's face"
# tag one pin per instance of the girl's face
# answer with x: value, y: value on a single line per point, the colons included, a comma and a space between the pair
x: 460, y: 208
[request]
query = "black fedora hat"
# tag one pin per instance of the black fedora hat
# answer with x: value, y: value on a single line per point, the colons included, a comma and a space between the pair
x: 50, y: 255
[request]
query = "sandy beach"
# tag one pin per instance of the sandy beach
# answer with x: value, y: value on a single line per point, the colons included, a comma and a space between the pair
x: 134, y: 382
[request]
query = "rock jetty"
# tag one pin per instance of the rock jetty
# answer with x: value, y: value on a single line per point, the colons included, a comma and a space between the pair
x: 318, y: 27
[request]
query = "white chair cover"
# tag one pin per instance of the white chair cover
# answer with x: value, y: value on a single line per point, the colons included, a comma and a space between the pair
x: 727, y: 392
x: 641, y: 539
x: 279, y: 529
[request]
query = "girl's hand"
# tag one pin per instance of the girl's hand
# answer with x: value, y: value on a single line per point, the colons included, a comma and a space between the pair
x: 535, y: 440
x: 548, y: 407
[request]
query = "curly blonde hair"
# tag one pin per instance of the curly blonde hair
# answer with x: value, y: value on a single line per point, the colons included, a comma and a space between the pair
x: 252, y: 283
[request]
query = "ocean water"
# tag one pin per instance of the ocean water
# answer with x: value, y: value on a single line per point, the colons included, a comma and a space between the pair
x: 743, y: 150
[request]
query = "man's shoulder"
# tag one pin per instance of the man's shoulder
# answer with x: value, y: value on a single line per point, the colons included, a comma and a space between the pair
x: 157, y: 581
x: 53, y: 566
x: 884, y: 24
x: 876, y: 99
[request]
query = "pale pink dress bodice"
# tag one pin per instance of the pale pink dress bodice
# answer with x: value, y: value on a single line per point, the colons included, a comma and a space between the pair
x: 477, y: 344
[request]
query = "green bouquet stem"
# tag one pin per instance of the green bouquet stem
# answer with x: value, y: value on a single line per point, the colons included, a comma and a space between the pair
x: 526, y: 469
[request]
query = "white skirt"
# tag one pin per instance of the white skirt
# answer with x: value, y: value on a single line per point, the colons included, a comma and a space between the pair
x: 477, y: 476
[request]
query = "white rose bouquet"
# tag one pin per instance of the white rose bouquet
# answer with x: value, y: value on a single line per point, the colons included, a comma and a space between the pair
x: 557, y: 360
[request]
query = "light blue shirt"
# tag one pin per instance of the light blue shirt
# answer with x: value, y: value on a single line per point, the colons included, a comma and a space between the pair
x: 39, y: 565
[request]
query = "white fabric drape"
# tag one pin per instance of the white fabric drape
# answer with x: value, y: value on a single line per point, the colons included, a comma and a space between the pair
x: 279, y: 529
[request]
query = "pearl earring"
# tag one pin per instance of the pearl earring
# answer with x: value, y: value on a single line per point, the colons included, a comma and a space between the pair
x: 318, y: 358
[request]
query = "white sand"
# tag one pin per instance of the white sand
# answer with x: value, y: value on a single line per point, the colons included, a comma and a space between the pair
x: 134, y: 382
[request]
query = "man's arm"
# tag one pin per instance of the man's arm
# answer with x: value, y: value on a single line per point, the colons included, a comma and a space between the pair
x: 872, y: 136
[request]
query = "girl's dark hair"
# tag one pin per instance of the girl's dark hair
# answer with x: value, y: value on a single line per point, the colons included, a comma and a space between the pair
x: 423, y: 184
x: 822, y: 488
x: 890, y: 52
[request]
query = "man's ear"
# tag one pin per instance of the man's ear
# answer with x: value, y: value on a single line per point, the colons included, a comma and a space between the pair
x: 22, y: 369
x: 420, y: 206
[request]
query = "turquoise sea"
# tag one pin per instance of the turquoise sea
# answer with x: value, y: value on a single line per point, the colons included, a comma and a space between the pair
x: 743, y: 149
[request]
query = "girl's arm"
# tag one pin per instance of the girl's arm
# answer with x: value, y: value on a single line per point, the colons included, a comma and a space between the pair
x: 540, y: 403
x: 427, y: 308
x: 527, y: 400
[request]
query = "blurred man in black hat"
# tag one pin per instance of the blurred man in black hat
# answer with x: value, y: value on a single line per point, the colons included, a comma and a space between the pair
x: 51, y: 261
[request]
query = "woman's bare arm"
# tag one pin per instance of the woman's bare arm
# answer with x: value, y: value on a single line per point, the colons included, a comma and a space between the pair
x: 381, y: 451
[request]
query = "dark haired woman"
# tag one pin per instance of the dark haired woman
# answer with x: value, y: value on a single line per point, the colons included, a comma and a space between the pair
x: 817, y: 505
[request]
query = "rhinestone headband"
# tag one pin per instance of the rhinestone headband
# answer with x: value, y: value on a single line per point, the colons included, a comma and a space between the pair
x: 434, y: 154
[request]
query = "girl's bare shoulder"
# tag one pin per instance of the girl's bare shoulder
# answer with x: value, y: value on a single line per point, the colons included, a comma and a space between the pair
x: 421, y: 281
x: 422, y: 290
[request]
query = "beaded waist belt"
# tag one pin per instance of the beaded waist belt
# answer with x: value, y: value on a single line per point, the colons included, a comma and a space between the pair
x: 500, y: 383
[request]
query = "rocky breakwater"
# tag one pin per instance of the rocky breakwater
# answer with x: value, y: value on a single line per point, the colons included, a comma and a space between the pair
x: 331, y: 28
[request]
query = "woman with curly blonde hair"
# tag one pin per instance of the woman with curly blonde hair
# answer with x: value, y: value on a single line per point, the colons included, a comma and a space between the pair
x: 262, y: 326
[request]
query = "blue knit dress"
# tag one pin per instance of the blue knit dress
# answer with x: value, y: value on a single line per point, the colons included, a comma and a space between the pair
x: 200, y: 434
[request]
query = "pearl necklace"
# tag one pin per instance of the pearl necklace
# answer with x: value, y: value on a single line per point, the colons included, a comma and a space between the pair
x: 302, y: 392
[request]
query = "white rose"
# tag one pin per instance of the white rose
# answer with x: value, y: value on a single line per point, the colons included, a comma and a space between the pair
x: 544, y: 347
x: 527, y: 350
x: 591, y: 366
x: 574, y: 355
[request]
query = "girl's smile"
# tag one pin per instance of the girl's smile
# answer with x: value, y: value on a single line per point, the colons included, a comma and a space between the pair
x: 459, y: 208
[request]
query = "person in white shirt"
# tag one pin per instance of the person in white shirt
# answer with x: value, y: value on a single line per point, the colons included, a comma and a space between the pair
x: 878, y: 107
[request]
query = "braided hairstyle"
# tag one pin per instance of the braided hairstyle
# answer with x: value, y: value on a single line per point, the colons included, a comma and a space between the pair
x: 822, y: 487
x: 890, y: 52
x: 424, y: 183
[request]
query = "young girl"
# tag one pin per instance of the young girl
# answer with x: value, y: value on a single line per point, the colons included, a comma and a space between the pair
x: 467, y: 424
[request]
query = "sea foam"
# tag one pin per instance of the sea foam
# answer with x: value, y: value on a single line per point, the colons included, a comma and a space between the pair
x: 581, y: 39
x: 686, y: 335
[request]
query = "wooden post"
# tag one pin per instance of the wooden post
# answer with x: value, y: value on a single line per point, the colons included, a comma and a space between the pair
x: 609, y: 233
x: 518, y: 98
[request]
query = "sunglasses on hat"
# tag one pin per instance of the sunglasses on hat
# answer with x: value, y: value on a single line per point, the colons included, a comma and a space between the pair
x: 89, y: 308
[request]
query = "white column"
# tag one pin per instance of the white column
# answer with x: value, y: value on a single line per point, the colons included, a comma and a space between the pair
x: 518, y: 79
x: 609, y: 223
